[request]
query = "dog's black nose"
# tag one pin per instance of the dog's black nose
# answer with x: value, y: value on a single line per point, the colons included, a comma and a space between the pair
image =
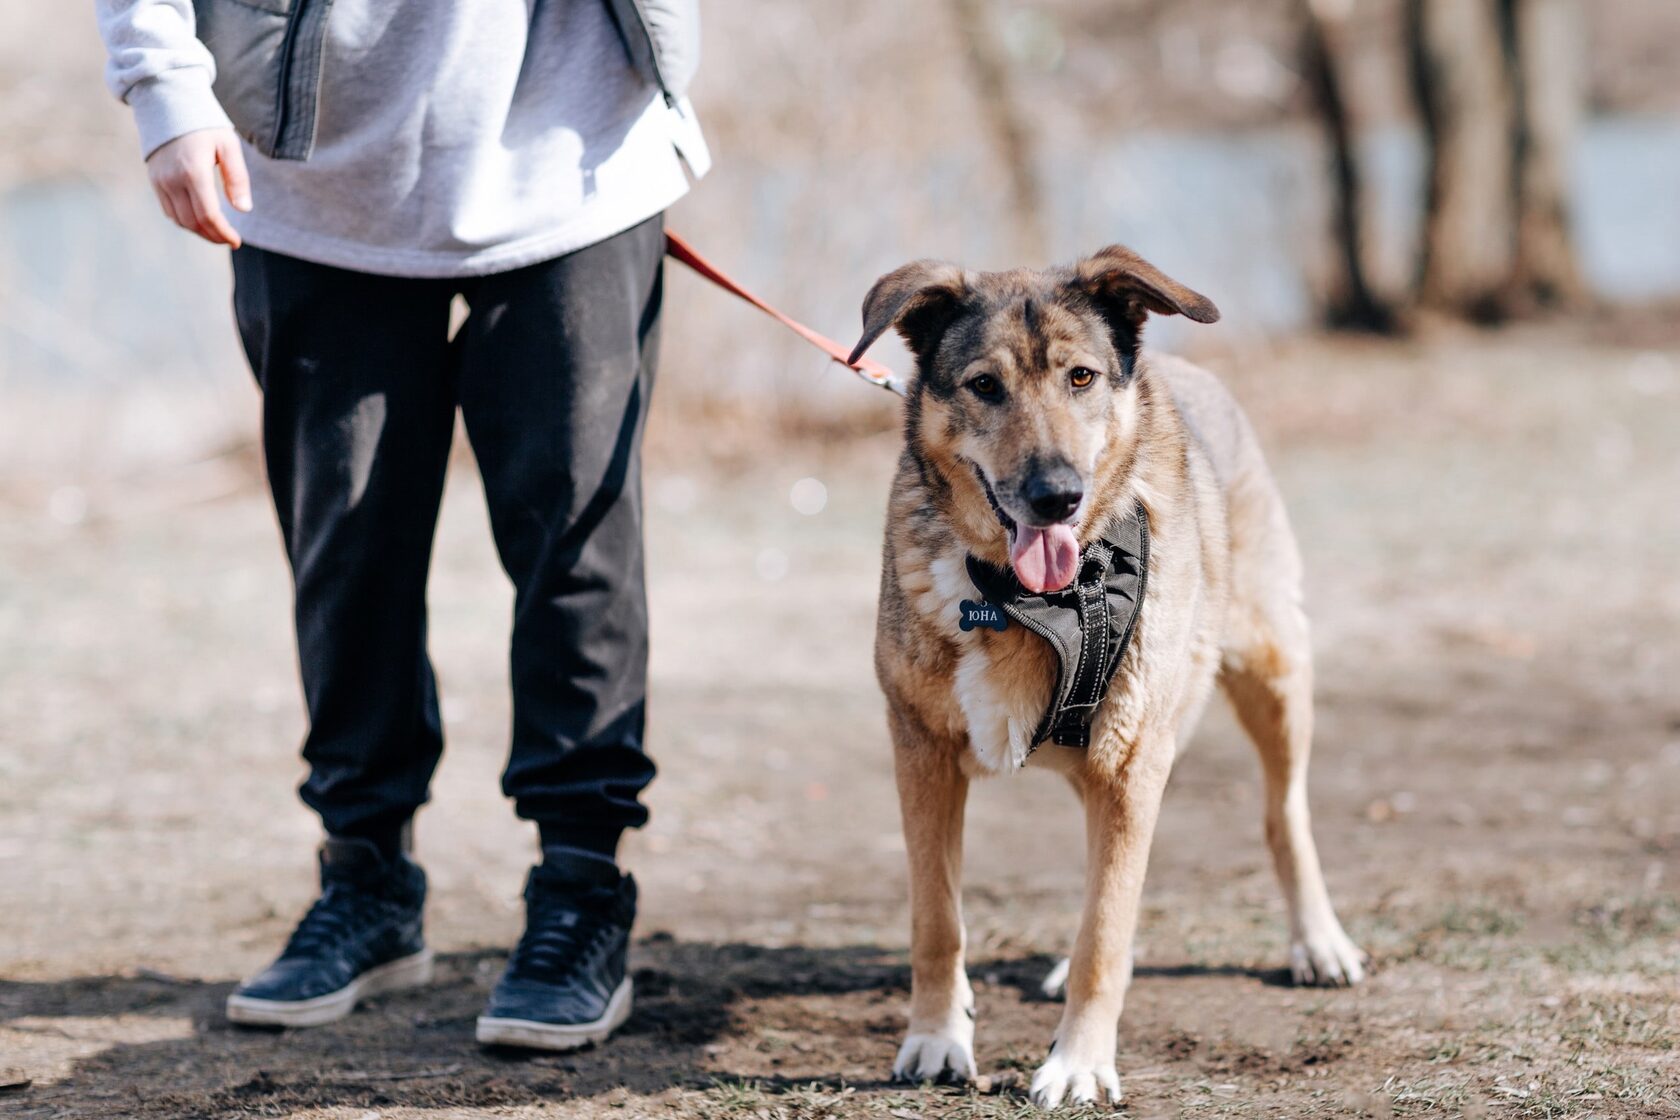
x: 1054, y: 493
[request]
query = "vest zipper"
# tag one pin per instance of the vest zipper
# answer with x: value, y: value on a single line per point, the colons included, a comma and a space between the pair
x: 283, y: 96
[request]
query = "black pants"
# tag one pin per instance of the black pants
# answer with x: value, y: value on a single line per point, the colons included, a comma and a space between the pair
x: 551, y: 372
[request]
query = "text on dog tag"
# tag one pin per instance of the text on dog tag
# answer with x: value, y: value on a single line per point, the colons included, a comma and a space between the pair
x: 983, y: 615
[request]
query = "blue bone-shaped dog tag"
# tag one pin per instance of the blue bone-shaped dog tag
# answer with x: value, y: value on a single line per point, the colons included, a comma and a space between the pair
x: 982, y: 614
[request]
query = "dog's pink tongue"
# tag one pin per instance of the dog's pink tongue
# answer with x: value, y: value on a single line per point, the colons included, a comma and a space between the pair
x: 1045, y: 559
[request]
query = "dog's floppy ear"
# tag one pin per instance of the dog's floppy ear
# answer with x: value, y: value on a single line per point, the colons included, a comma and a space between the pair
x: 919, y: 298
x: 1126, y: 285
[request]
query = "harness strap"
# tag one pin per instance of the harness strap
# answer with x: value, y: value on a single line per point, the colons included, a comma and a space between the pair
x: 1071, y: 719
x: 1088, y: 625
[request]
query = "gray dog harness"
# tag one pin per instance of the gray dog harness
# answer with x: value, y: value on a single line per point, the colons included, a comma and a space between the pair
x: 1088, y: 624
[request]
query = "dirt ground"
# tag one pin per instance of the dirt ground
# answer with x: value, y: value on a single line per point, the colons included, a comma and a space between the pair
x: 1491, y: 537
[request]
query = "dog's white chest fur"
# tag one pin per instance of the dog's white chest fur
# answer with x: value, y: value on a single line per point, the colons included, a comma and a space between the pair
x: 1001, y: 704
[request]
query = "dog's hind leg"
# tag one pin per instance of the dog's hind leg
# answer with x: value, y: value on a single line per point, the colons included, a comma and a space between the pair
x: 1268, y: 678
x: 932, y: 795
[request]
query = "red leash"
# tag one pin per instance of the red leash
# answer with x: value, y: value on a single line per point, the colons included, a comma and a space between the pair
x: 870, y: 370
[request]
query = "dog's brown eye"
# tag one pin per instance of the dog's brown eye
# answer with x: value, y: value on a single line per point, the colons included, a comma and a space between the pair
x: 986, y: 386
x: 1082, y: 377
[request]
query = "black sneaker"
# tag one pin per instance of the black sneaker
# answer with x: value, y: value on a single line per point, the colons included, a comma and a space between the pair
x: 565, y: 985
x: 361, y: 937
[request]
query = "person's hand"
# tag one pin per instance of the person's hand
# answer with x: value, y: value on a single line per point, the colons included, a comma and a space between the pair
x: 184, y: 173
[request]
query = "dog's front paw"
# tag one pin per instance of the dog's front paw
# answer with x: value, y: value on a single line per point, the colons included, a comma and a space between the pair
x: 944, y: 1055
x: 1067, y: 1077
x: 1327, y: 959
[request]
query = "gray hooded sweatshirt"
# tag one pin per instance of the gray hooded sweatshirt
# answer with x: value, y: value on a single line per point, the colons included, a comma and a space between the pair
x: 451, y: 138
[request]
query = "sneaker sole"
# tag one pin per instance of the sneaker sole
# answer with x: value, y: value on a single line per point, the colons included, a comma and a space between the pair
x: 531, y: 1035
x: 399, y: 975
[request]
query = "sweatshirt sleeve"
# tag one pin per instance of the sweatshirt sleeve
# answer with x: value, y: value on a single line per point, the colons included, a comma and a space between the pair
x: 156, y: 65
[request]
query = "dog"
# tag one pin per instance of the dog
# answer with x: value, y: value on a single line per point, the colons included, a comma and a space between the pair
x: 1042, y: 442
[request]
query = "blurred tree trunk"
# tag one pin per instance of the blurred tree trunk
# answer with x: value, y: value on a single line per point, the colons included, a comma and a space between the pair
x: 988, y: 61
x: 1544, y: 42
x: 1458, y: 72
x: 1352, y: 303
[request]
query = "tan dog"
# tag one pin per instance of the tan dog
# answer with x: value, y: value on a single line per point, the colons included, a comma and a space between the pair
x: 1035, y: 424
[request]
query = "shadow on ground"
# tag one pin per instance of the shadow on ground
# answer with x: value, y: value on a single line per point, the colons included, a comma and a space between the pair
x: 416, y: 1050
x: 705, y: 1014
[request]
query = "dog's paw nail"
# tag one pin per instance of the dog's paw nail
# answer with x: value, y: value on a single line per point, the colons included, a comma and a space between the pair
x: 1086, y: 1083
x: 1329, y: 961
x: 930, y: 1056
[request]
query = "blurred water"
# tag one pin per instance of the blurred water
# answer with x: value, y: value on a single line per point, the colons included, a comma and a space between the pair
x: 1628, y: 178
x: 1243, y: 215
x: 95, y: 288
x: 98, y: 289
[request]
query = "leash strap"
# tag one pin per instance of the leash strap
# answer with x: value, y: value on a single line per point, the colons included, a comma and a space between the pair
x: 870, y: 370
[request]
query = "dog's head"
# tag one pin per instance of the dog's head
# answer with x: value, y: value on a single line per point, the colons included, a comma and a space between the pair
x: 1026, y: 399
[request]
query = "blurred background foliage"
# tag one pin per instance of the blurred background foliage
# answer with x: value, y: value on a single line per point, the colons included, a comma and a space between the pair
x: 1376, y: 164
